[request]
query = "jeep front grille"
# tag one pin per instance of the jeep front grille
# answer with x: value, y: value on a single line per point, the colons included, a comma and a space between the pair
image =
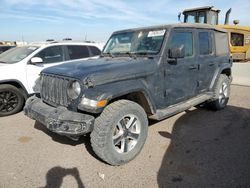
x: 54, y: 90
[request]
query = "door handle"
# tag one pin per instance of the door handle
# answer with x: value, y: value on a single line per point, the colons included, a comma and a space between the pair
x: 192, y: 67
x: 211, y: 64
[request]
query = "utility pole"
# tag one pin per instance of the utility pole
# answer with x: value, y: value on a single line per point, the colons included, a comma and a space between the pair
x: 22, y: 40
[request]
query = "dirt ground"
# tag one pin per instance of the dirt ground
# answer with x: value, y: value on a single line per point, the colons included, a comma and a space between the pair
x: 197, y: 148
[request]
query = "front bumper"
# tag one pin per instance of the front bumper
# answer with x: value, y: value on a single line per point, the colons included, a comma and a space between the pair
x: 59, y: 120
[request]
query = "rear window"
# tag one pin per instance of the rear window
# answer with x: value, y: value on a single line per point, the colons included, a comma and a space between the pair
x: 94, y: 51
x: 78, y: 52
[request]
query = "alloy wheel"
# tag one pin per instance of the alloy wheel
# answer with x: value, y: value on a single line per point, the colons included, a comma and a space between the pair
x: 8, y: 101
x: 223, y: 95
x: 126, y: 133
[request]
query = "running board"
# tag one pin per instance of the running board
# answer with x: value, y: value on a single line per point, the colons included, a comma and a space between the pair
x: 180, y: 107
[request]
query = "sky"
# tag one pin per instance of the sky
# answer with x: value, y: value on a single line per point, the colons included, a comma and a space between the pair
x: 38, y: 20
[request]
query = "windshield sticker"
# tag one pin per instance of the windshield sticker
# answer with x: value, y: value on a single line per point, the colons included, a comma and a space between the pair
x: 140, y: 35
x: 156, y: 33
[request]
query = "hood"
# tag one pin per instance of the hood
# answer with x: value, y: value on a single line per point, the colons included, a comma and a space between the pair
x: 105, y: 70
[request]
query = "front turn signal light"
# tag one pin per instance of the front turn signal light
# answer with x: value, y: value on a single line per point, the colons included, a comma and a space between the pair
x: 101, y: 103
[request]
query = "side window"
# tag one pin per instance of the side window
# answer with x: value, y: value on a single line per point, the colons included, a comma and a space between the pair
x: 190, y: 17
x: 213, y: 18
x: 78, y: 52
x: 51, y: 54
x: 94, y: 50
x: 183, y: 38
x: 201, y: 17
x: 205, y: 43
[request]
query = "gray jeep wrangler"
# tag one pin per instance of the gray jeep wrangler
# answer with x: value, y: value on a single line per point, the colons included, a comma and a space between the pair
x: 151, y: 72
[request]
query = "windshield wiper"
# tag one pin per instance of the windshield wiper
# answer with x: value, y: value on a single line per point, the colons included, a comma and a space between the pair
x: 110, y: 54
x: 141, y: 53
x: 2, y: 62
x: 144, y: 53
x: 132, y: 55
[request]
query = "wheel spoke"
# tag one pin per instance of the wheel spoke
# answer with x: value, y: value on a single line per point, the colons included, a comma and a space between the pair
x: 131, y: 122
x: 126, y: 142
x: 133, y: 136
x: 8, y: 95
x: 122, y: 123
x: 221, y: 90
x: 12, y: 102
x: 12, y: 97
x: 1, y: 106
x: 122, y: 145
x: 117, y: 138
x: 224, y: 88
x: 120, y: 126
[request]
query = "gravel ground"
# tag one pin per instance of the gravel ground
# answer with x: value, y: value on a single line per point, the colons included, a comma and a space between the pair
x: 197, y: 148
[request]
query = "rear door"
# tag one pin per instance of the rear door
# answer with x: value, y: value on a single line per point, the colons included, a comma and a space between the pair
x: 75, y: 52
x: 181, y: 75
x: 206, y: 59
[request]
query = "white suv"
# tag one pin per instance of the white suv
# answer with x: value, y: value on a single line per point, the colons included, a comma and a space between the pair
x: 20, y: 68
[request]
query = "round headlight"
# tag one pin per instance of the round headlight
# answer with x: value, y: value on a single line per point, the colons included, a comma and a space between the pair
x: 74, y: 90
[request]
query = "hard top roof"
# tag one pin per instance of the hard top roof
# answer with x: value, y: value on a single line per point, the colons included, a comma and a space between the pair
x: 178, y: 25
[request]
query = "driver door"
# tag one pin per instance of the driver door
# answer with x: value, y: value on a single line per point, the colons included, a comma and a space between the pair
x: 181, y: 74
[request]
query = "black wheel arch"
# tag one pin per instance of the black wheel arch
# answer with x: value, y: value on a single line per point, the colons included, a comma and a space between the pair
x: 225, y: 69
x: 18, y: 85
x: 133, y: 90
x: 140, y: 97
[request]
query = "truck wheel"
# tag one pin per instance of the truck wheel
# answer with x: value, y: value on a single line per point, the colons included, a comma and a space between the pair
x: 222, y: 92
x: 11, y: 100
x: 120, y: 132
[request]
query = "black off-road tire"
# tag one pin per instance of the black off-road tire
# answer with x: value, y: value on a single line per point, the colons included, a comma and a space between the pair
x: 11, y: 100
x: 217, y: 103
x: 102, y: 135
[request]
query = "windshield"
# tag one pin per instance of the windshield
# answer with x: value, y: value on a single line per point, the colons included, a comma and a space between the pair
x: 136, y: 42
x: 17, y: 54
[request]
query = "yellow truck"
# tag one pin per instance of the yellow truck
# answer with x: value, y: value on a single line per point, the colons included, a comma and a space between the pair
x: 239, y: 41
x: 239, y: 35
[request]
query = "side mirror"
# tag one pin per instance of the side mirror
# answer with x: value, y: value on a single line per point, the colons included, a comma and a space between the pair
x: 177, y: 52
x: 36, y: 60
